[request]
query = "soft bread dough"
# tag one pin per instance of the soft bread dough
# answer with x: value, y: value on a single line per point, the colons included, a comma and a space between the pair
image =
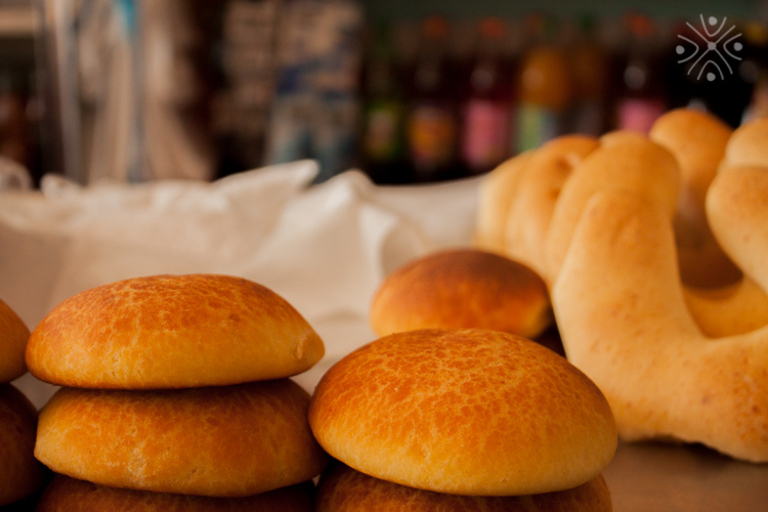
x: 471, y: 412
x: 225, y: 441
x: 496, y: 191
x: 66, y: 494
x: 624, y: 161
x: 529, y: 215
x: 698, y: 140
x: 13, y: 340
x: 172, y: 332
x: 345, y: 490
x: 634, y: 336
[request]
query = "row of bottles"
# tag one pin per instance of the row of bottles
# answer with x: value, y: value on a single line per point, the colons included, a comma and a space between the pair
x: 437, y: 117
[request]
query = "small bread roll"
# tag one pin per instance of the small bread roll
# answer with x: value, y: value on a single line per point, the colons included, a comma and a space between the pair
x: 471, y: 412
x: 343, y: 489
x: 462, y: 288
x: 172, y: 332
x: 227, y: 441
x: 20, y: 473
x: 13, y: 338
x: 66, y: 494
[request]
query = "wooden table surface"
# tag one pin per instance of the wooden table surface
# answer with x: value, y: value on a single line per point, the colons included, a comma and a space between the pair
x: 659, y: 477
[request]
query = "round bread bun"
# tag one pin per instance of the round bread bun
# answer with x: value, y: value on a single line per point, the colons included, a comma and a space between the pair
x: 65, y: 494
x: 228, y: 441
x: 462, y: 288
x: 13, y: 339
x: 471, y: 412
x: 343, y: 489
x: 172, y: 332
x: 20, y: 474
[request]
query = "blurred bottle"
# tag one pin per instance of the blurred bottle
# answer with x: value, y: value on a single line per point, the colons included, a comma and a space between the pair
x: 590, y: 66
x: 642, y: 97
x: 545, y: 87
x: 487, y: 119
x: 15, y: 142
x: 384, y: 112
x: 432, y: 121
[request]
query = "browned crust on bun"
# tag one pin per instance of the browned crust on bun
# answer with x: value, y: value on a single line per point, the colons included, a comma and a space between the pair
x: 172, y: 332
x: 20, y: 474
x: 65, y: 494
x: 472, y: 412
x: 13, y: 339
x: 225, y: 441
x: 343, y: 489
x: 462, y: 288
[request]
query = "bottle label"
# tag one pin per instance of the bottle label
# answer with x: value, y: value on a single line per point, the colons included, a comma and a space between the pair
x: 638, y: 114
x: 486, y: 136
x: 432, y: 133
x: 382, y: 135
x: 535, y: 126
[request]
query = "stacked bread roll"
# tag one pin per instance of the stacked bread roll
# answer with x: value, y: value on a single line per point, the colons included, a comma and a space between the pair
x: 176, y: 394
x: 20, y: 474
x: 470, y: 419
x: 653, y: 248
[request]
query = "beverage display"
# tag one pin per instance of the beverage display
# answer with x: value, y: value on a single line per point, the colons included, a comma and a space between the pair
x: 641, y: 99
x: 590, y: 70
x: 487, y: 123
x: 383, y: 146
x: 432, y: 119
x: 545, y: 88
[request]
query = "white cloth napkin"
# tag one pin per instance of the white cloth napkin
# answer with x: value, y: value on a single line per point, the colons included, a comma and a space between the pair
x: 325, y: 248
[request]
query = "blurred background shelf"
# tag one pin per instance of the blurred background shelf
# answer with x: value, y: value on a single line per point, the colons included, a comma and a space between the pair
x: 223, y: 87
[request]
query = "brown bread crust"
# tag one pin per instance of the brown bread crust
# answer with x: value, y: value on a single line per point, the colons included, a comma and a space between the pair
x: 224, y: 441
x: 172, y: 332
x: 462, y: 288
x: 13, y: 339
x: 20, y: 473
x: 474, y: 412
x: 343, y: 489
x: 66, y: 494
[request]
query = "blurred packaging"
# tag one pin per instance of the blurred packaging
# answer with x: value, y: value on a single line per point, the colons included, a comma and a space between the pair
x: 315, y: 111
x: 241, y: 107
x: 123, y: 91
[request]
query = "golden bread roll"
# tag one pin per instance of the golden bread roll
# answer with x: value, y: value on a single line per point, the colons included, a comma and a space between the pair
x: 343, y: 489
x: 13, y: 339
x: 65, y: 494
x: 496, y: 192
x: 172, y: 332
x: 462, y: 288
x: 20, y: 474
x: 226, y: 441
x: 471, y: 412
x: 698, y: 140
x: 528, y: 217
x: 635, y: 338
